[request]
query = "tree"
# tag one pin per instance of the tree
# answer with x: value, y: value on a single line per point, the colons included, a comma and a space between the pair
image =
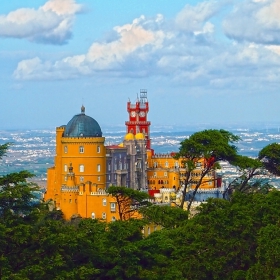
x: 207, y: 147
x: 16, y: 194
x: 3, y: 149
x: 270, y: 156
x: 165, y: 216
x: 248, y: 169
x: 223, y: 241
x: 128, y: 200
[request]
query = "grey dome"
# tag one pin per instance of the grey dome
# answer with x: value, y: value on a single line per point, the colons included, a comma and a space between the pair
x: 82, y: 125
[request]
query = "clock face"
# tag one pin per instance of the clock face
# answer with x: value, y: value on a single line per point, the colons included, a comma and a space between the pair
x: 142, y: 114
x: 133, y: 114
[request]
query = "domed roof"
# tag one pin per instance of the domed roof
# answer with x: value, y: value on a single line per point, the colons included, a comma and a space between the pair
x: 129, y: 136
x: 82, y: 125
x: 140, y: 136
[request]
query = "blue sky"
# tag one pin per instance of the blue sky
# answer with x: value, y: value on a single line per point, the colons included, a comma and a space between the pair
x: 200, y: 61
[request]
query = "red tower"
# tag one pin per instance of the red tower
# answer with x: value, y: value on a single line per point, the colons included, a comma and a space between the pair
x: 138, y: 114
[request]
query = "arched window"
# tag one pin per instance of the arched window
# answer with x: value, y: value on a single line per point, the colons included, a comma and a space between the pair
x: 81, y: 149
x: 82, y: 168
x: 103, y: 215
x: 98, y: 167
x: 104, y: 201
x: 65, y: 149
x: 93, y: 215
x: 98, y: 149
x: 65, y: 167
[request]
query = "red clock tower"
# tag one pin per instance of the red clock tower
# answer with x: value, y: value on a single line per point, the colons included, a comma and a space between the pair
x: 138, y: 114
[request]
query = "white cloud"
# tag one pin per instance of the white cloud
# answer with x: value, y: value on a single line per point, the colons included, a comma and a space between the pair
x: 185, y: 55
x: 101, y: 56
x: 255, y: 21
x: 50, y: 23
x: 195, y: 18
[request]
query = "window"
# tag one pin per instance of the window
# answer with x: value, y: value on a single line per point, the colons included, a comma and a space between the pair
x: 93, y: 215
x: 120, y: 166
x: 155, y: 164
x: 116, y: 167
x: 70, y: 200
x: 81, y: 178
x: 82, y: 168
x: 98, y: 178
x: 165, y: 174
x: 113, y: 207
x: 65, y: 178
x: 166, y: 164
x: 98, y: 167
x: 155, y: 174
x: 109, y: 177
x: 81, y: 149
x: 65, y: 149
x: 149, y: 231
x: 98, y: 149
x: 113, y: 219
x: 104, y: 201
x: 65, y: 167
x: 103, y: 215
x: 109, y: 166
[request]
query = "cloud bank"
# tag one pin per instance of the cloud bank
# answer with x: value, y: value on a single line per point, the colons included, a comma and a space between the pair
x: 189, y: 49
x: 49, y: 24
x: 255, y: 21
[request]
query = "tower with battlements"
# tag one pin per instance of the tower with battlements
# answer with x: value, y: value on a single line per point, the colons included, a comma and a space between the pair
x: 138, y: 117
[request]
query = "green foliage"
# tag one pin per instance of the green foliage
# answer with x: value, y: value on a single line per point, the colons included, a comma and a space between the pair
x: 4, y: 148
x: 211, y: 145
x: 166, y: 216
x: 236, y: 239
x: 16, y: 194
x: 208, y: 144
x: 227, y: 239
x: 224, y: 241
x: 128, y: 200
x: 270, y: 156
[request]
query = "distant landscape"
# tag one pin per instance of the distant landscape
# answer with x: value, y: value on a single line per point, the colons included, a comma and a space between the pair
x: 34, y: 150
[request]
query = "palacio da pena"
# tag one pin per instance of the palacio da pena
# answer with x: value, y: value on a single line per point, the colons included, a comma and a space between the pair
x: 84, y: 167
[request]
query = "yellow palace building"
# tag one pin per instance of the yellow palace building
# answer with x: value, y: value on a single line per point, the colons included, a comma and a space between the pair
x: 76, y: 182
x: 84, y: 167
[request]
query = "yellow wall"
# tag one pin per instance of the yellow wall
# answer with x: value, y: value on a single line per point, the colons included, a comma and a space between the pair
x: 63, y: 188
x: 165, y: 171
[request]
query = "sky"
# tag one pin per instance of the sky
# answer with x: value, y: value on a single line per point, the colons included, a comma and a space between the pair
x: 200, y: 61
